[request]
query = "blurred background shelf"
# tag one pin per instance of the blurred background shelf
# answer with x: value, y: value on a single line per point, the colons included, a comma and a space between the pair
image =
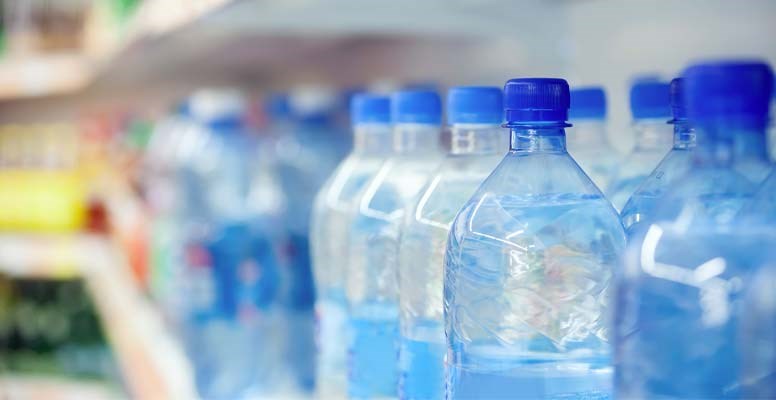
x: 151, y: 360
x: 169, y: 47
x: 43, y: 387
x: 29, y: 71
x: 54, y: 256
x: 43, y: 75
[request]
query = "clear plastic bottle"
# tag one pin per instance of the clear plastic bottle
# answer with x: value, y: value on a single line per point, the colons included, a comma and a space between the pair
x: 751, y: 157
x: 308, y: 152
x: 370, y: 115
x: 587, y: 142
x: 772, y: 129
x: 477, y: 144
x: 649, y: 101
x: 164, y: 198
x: 231, y: 277
x: 678, y: 306
x: 528, y: 265
x: 371, y: 288
x: 758, y: 315
x: 641, y: 205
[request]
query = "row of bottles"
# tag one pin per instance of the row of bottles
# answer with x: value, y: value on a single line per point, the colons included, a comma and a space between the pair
x: 229, y: 237
x: 493, y: 270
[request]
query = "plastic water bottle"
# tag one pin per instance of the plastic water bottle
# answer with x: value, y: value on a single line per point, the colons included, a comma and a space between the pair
x: 758, y: 313
x: 477, y: 144
x: 752, y: 157
x: 772, y: 129
x: 587, y: 142
x: 307, y: 154
x: 231, y: 278
x: 164, y: 197
x: 528, y: 265
x: 678, y: 308
x: 640, y: 207
x: 329, y: 236
x: 371, y: 287
x: 650, y: 107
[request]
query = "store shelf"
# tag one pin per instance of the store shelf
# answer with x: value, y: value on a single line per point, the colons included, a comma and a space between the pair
x: 52, y: 256
x: 32, y: 75
x: 151, y: 359
x: 50, y: 388
x: 171, y: 47
x: 43, y: 75
x: 168, y: 39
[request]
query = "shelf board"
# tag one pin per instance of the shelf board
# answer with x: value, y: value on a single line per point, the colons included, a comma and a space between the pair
x: 55, y: 256
x: 150, y: 356
x: 168, y: 40
x: 25, y: 386
x: 35, y: 75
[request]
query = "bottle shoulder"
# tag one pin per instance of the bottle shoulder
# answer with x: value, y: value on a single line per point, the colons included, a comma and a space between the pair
x: 345, y: 183
x: 398, y: 180
x: 705, y: 198
x: 523, y: 174
x: 509, y: 207
x: 443, y: 195
x: 674, y: 165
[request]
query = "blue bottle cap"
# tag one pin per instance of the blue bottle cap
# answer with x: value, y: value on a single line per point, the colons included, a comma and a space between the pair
x: 474, y: 105
x: 588, y: 103
x: 650, y: 99
x: 221, y: 109
x: 368, y: 108
x: 728, y: 90
x: 536, y: 100
x: 416, y: 107
x: 677, y: 100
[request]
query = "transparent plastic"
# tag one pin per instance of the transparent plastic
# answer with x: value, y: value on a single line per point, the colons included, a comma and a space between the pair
x: 653, y: 141
x: 588, y: 144
x: 230, y: 283
x: 163, y: 191
x: 475, y: 151
x: 328, y: 239
x: 772, y: 129
x: 758, y: 313
x: 527, y: 271
x: 679, y: 301
x: 751, y: 156
x: 308, y: 152
x: 641, y: 206
x: 371, y: 287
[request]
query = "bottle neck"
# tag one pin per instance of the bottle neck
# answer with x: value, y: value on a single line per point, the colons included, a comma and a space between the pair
x: 684, y: 135
x: 372, y: 139
x: 652, y: 134
x: 588, y: 133
x: 476, y: 139
x: 721, y: 145
x: 415, y: 138
x: 538, y: 139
